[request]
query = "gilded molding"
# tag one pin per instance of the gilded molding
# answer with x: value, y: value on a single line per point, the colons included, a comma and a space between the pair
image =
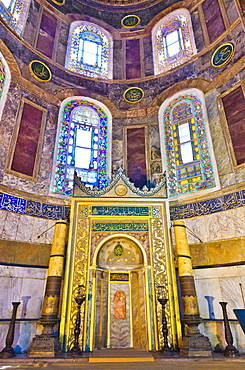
x: 80, y: 268
x: 160, y: 266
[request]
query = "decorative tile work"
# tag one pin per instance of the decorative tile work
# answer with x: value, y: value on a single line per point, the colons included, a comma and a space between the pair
x: 31, y: 208
x: 224, y: 203
x: 119, y: 226
x: 121, y: 211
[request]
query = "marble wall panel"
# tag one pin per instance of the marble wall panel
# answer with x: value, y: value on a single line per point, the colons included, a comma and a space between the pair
x: 231, y: 9
x: 221, y: 284
x: 10, y: 226
x: 25, y: 285
x: 216, y: 333
x: 24, y: 332
x: 7, y: 125
x: 217, y: 226
x: 25, y: 228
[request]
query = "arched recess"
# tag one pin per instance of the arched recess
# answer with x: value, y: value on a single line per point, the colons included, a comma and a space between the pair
x: 89, y: 121
x: 121, y: 301
x: 186, y: 145
x: 89, y: 50
x: 172, y: 41
x: 5, y: 78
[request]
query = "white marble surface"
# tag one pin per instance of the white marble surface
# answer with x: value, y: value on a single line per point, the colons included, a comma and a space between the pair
x: 25, y: 228
x: 214, y: 330
x: 24, y: 332
x: 223, y: 284
x: 217, y: 226
x: 25, y: 285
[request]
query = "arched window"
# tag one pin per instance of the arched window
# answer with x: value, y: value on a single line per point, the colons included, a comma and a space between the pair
x: 173, y: 41
x: 186, y: 144
x: 4, y: 82
x: 14, y: 12
x: 89, y: 50
x: 84, y: 132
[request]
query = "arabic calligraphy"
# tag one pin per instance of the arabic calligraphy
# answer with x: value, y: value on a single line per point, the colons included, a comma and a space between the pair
x: 120, y: 211
x: 117, y: 276
x: 133, y: 95
x: 222, y: 55
x: 130, y: 21
x: 28, y: 207
x: 40, y: 71
x: 119, y: 226
x: 219, y: 204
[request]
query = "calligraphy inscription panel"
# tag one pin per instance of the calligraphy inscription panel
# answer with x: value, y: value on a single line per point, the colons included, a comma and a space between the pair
x: 133, y: 95
x: 40, y: 71
x: 222, y: 55
x: 130, y: 21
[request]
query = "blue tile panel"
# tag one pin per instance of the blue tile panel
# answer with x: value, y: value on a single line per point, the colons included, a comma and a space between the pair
x: 31, y: 208
x: 207, y: 207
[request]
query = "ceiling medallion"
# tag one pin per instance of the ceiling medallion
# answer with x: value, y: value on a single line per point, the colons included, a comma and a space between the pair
x: 130, y: 21
x: 133, y: 95
x: 40, y: 71
x: 222, y: 55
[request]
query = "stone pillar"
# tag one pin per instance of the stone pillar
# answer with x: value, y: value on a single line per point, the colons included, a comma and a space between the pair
x: 47, y: 344
x: 193, y: 343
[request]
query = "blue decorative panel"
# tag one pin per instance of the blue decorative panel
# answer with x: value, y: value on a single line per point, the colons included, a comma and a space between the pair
x: 224, y: 203
x: 119, y: 277
x: 121, y: 211
x: 31, y: 208
x: 119, y: 226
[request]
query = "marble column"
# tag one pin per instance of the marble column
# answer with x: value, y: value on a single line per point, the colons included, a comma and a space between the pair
x: 47, y: 344
x: 193, y: 342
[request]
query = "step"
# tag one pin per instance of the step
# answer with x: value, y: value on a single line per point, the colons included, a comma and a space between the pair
x: 121, y: 355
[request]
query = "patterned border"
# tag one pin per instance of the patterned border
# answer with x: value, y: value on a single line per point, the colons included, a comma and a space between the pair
x: 206, y: 207
x: 31, y: 208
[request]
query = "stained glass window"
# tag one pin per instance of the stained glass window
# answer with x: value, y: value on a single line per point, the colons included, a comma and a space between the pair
x: 82, y: 146
x: 11, y: 11
x: 89, y: 50
x: 2, y: 77
x: 5, y: 78
x: 173, y: 41
x: 189, y: 159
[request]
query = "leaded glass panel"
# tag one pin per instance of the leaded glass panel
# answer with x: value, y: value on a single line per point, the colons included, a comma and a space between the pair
x: 173, y: 42
x: 89, y: 51
x: 188, y: 156
x: 2, y: 77
x: 82, y: 146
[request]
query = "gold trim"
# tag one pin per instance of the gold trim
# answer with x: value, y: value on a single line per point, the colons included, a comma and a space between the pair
x: 35, y: 76
x: 56, y: 2
x: 227, y: 61
x: 130, y: 88
x: 127, y: 16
